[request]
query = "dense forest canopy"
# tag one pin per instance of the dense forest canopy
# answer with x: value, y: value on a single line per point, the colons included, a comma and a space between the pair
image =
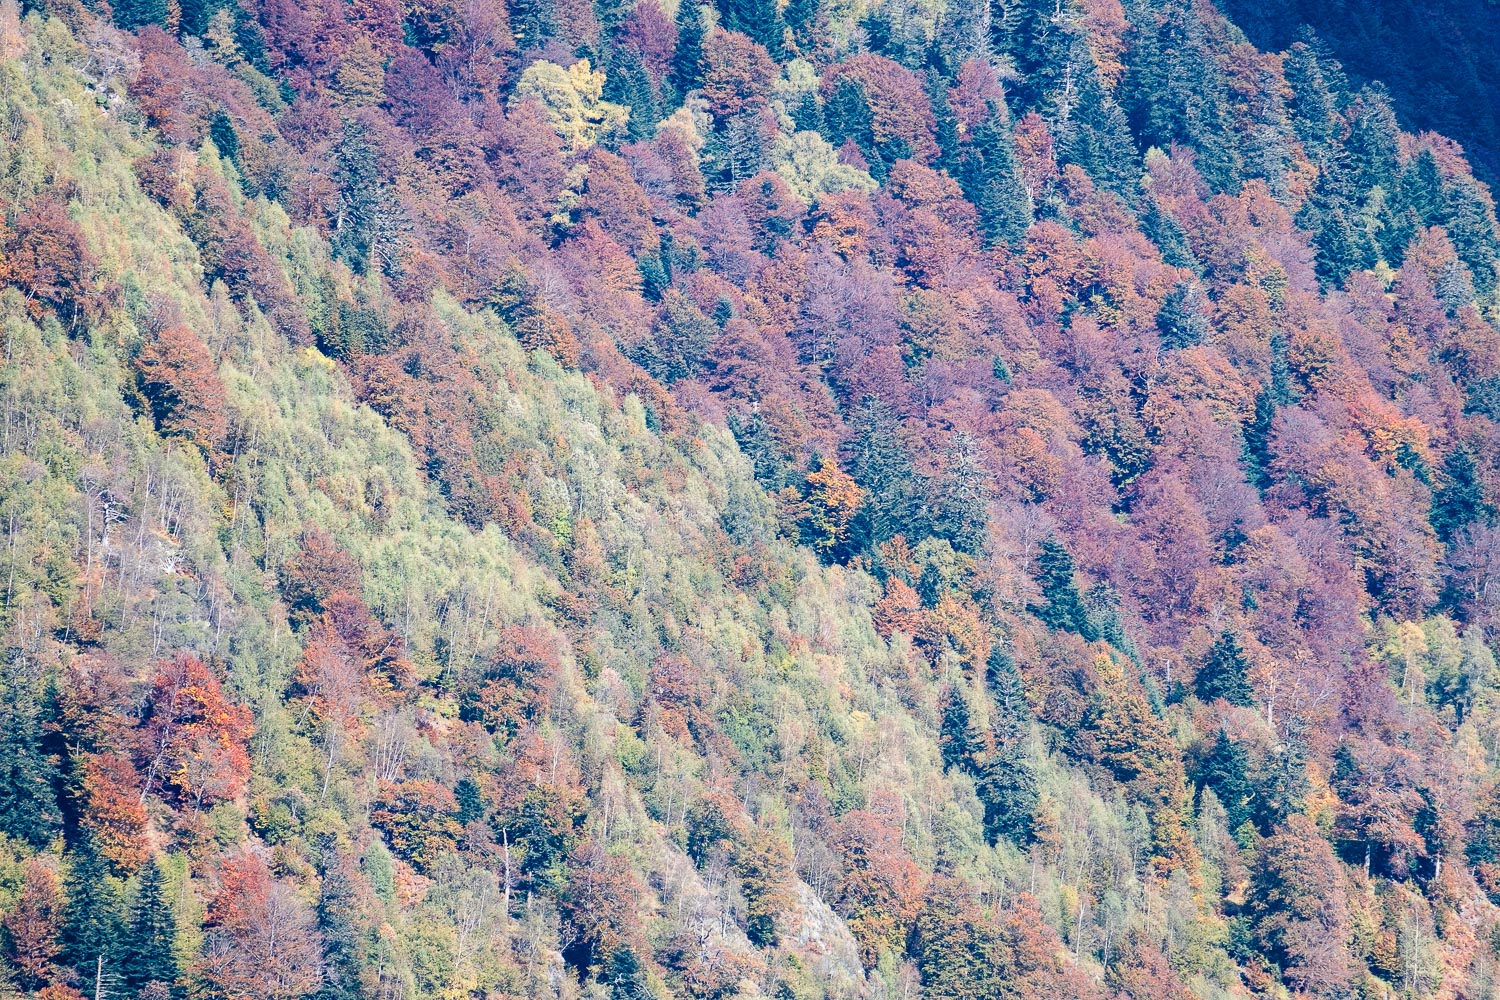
x: 1434, y: 57
x: 891, y: 499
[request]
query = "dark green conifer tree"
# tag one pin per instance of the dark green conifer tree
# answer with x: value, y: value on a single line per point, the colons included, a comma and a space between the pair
x: 133, y: 14
x: 992, y: 181
x: 687, y: 61
x: 357, y: 172
x: 1224, y: 673
x: 226, y: 140
x: 345, y: 940
x: 959, y: 744
x: 878, y: 460
x: 1373, y: 141
x: 28, y: 775
x: 195, y: 15
x: 1180, y: 320
x: 760, y: 19
x: 1007, y: 790
x: 1226, y: 769
x: 1459, y: 500
x: 93, y: 924
x: 1063, y: 608
x: 1258, y: 441
x: 1472, y: 229
x: 1342, y: 248
x: 150, y: 954
x: 1421, y: 189
x: 1012, y: 712
x: 1168, y: 236
x: 847, y: 118
x: 470, y: 802
x: 628, y: 83
x: 1006, y: 782
x: 626, y: 976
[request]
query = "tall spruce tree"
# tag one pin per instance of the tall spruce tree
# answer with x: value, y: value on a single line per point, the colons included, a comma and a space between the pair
x: 1224, y: 673
x: 150, y: 951
x: 992, y: 181
x: 760, y: 19
x: 957, y: 741
x: 93, y: 921
x: 687, y: 60
x: 1226, y: 769
x: 28, y: 775
x: 1459, y: 500
x: 340, y: 921
x: 1006, y: 783
x: 1063, y: 606
x: 132, y: 14
x: 879, y: 462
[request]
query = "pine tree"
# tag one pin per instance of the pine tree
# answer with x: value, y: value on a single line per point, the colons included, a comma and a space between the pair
x: 1258, y: 441
x: 1421, y: 189
x: 470, y: 801
x: 195, y: 15
x: 226, y: 140
x: 150, y: 955
x: 1007, y: 790
x: 1097, y: 137
x: 1064, y: 608
x: 802, y: 17
x: 1007, y: 785
x: 1008, y: 693
x: 1373, y: 141
x: 626, y: 976
x: 847, y: 117
x: 1168, y: 236
x: 356, y: 227
x: 92, y: 920
x: 879, y: 462
x: 961, y: 508
x: 760, y: 19
x: 1223, y: 673
x: 1342, y: 248
x: 628, y: 83
x: 28, y: 776
x: 132, y: 14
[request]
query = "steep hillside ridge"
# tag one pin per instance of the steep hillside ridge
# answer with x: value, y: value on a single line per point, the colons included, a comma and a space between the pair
x: 574, y: 500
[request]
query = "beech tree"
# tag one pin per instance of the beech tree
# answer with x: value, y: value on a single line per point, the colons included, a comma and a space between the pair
x: 263, y: 941
x: 193, y: 739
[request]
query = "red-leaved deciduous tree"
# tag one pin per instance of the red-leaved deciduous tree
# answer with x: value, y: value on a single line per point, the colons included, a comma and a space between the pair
x: 46, y: 256
x: 419, y: 820
x: 1299, y: 908
x: 515, y: 683
x: 193, y: 739
x: 319, y: 570
x: 31, y: 927
x: 881, y: 888
x: 597, y: 907
x: 182, y: 386
x: 111, y: 808
x: 263, y: 941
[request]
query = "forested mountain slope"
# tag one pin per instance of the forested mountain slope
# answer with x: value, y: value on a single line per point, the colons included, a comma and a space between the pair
x: 1434, y: 57
x: 638, y: 501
